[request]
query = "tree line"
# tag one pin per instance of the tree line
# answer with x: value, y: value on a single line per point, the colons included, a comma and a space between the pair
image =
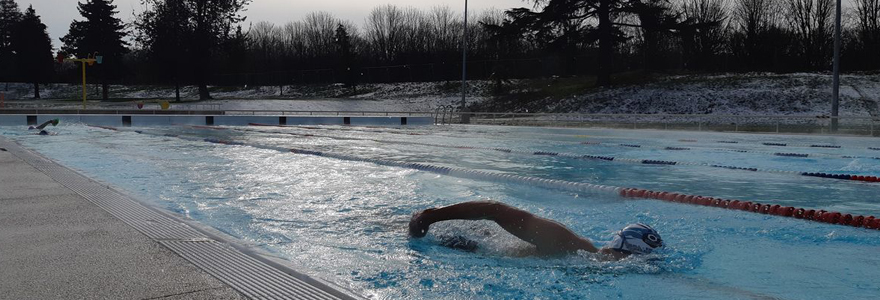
x: 208, y: 42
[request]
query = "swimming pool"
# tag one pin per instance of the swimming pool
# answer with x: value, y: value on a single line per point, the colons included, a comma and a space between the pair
x: 344, y: 220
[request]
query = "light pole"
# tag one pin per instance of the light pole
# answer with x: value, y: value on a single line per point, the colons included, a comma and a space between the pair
x: 835, y: 102
x: 465, y: 118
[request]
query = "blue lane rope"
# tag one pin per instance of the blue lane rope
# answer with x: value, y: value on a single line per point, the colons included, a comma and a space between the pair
x: 569, y: 155
x: 778, y: 144
x: 799, y: 155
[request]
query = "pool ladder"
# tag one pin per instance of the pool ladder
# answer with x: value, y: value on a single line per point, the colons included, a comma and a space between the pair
x: 442, y: 111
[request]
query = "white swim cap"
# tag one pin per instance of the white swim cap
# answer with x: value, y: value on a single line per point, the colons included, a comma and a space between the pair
x: 636, y: 239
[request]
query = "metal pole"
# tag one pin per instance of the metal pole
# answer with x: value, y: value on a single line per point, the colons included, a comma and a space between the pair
x: 465, y: 118
x: 84, y: 84
x: 835, y: 102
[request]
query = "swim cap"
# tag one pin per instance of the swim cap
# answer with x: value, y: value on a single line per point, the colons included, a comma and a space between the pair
x: 636, y: 239
x: 55, y: 122
x: 43, y: 132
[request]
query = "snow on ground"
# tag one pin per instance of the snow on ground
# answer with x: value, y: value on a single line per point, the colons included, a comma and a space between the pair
x: 415, y: 97
x: 739, y: 94
x: 804, y: 94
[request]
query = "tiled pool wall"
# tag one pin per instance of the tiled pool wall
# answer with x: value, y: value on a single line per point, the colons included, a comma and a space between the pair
x: 158, y: 120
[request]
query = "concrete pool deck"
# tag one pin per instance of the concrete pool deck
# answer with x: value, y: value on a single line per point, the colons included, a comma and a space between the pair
x: 60, y: 241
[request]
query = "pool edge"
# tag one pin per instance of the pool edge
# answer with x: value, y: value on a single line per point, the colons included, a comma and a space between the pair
x: 135, y: 213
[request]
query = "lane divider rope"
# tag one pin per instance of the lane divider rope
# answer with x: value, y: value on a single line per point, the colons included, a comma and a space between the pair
x: 784, y: 154
x: 830, y: 217
x: 585, y: 157
x: 774, y: 144
x: 869, y: 222
x: 781, y: 144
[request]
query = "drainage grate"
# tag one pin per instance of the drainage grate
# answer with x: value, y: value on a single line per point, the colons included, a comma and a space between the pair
x: 244, y: 273
x: 229, y: 266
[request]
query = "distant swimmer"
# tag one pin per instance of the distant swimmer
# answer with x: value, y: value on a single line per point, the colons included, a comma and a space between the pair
x: 548, y: 236
x: 54, y: 122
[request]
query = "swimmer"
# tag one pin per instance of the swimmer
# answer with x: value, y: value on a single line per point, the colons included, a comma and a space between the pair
x: 549, y: 237
x: 54, y: 122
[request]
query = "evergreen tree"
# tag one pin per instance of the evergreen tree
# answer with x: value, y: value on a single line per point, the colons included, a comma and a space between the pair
x: 235, y: 52
x: 10, y: 15
x: 100, y: 33
x: 33, y: 50
x: 206, y: 24
x: 343, y: 43
x: 163, y: 31
x: 563, y: 24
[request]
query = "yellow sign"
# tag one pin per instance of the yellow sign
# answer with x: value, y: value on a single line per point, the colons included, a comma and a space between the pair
x: 165, y: 105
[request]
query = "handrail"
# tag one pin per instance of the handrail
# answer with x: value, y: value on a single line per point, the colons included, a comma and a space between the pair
x: 441, y: 111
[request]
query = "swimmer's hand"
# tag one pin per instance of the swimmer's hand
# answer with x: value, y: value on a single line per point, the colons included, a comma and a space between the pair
x: 418, y: 225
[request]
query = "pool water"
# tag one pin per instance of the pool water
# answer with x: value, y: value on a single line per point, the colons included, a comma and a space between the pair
x: 345, y: 220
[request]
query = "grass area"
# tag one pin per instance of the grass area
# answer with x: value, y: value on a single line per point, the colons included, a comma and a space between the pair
x: 535, y: 95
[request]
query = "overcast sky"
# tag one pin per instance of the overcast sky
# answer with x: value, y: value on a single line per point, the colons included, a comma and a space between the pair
x: 57, y: 14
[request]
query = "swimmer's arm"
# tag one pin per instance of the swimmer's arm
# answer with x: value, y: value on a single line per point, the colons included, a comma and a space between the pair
x: 44, y: 124
x: 548, y: 235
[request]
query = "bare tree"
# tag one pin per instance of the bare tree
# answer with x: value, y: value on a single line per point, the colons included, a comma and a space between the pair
x: 705, y: 36
x: 753, y: 24
x: 265, y: 46
x: 319, y: 31
x: 446, y: 29
x: 416, y: 33
x: 294, y: 42
x: 812, y: 24
x: 755, y: 16
x: 383, y: 31
x: 867, y: 13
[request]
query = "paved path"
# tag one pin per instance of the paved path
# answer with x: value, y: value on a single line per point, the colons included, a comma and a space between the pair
x: 55, y: 244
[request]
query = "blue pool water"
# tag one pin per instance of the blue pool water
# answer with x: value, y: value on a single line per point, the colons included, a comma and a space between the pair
x: 345, y: 221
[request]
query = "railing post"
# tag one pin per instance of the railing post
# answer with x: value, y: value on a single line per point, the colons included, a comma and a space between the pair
x: 777, y: 125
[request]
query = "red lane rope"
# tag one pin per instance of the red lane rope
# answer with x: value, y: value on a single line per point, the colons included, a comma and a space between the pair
x: 823, y: 216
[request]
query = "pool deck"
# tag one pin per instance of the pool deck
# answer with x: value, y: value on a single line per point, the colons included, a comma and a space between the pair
x: 55, y: 243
